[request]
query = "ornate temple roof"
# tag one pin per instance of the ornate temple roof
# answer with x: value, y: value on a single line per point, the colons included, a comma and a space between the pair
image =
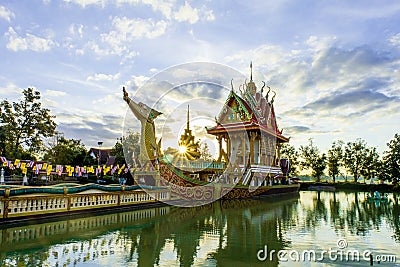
x: 251, y: 111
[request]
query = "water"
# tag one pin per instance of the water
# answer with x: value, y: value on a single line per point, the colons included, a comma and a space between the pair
x: 226, y: 233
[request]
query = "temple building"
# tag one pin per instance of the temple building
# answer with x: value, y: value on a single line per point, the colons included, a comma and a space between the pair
x: 247, y: 131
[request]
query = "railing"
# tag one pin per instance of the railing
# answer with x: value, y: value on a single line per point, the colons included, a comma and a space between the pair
x: 39, y: 204
x: 247, y: 176
x: 201, y: 165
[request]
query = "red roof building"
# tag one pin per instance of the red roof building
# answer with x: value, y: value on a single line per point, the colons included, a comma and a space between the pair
x: 247, y: 130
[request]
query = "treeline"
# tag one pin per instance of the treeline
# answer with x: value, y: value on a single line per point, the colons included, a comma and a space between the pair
x: 355, y: 158
x: 29, y: 131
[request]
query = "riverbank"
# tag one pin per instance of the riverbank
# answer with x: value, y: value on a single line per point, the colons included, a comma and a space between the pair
x: 361, y: 187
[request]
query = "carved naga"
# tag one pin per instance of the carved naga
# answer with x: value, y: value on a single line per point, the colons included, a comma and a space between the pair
x: 269, y: 90
x: 149, y: 148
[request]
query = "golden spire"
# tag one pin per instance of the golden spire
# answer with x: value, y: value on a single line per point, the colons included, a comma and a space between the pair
x: 251, y: 70
x: 187, y: 122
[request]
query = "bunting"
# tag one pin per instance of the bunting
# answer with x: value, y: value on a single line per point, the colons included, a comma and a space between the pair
x: 49, y: 168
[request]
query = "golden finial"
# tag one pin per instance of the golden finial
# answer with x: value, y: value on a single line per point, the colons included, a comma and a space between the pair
x: 187, y: 123
x: 251, y: 70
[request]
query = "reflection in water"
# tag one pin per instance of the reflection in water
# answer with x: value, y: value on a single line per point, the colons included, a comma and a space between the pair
x: 225, y: 233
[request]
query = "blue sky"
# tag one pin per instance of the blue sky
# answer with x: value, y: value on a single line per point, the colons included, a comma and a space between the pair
x: 334, y: 64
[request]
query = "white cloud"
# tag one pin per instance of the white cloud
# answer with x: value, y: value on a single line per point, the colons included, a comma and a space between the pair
x: 125, y: 31
x: 9, y: 90
x: 29, y: 42
x: 131, y: 29
x: 76, y: 29
x: 103, y: 77
x: 208, y: 15
x: 163, y: 6
x: 84, y: 3
x: 54, y: 93
x: 395, y: 40
x: 187, y: 13
x: 139, y: 80
x: 184, y: 13
x: 6, y: 13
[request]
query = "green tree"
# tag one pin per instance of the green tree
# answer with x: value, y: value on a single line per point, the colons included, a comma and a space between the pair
x: 118, y: 153
x: 2, y: 141
x: 334, y: 160
x: 129, y: 149
x: 68, y: 152
x: 391, y: 160
x: 289, y: 152
x: 205, y: 152
x: 371, y: 164
x: 25, y: 124
x: 354, y: 156
x: 312, y: 159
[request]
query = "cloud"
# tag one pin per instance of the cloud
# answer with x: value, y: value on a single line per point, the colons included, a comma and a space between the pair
x: 54, y: 93
x: 103, y: 77
x: 187, y: 13
x: 6, y: 14
x: 163, y: 6
x: 131, y: 29
x: 297, y: 129
x: 183, y: 13
x: 359, y: 103
x: 84, y: 3
x: 93, y: 128
x: 120, y: 40
x: 10, y: 90
x: 329, y: 90
x: 29, y: 42
x: 395, y: 40
x: 76, y: 30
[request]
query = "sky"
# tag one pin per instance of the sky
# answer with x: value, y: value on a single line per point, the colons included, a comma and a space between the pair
x: 333, y: 64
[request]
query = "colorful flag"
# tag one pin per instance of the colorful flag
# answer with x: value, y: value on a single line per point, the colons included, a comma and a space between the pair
x: 98, y: 170
x: 31, y: 163
x: 127, y: 169
x: 106, y: 170
x: 49, y: 169
x: 78, y: 171
x: 59, y: 169
x: 44, y: 166
x: 3, y: 159
x: 38, y: 168
x: 90, y: 169
x: 113, y: 170
x: 121, y: 169
x: 23, y: 165
x: 17, y: 163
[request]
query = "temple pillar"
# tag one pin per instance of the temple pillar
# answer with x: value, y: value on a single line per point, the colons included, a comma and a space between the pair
x: 219, y: 139
x: 252, y: 138
x: 244, y: 148
x: 278, y: 153
x: 228, y: 148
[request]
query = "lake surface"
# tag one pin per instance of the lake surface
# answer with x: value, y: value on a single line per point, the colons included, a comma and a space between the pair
x: 309, y: 229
